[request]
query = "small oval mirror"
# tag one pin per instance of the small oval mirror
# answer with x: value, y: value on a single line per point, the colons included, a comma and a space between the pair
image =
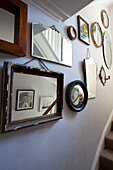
x: 107, y: 50
x: 96, y: 34
x: 105, y: 18
x: 76, y: 95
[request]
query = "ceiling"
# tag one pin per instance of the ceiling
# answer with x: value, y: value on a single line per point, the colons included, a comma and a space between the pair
x: 60, y: 10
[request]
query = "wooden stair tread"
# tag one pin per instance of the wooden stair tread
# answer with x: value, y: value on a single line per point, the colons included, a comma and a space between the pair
x: 107, y: 154
x: 110, y: 136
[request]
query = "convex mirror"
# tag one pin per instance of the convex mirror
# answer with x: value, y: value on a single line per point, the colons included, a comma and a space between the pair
x: 76, y: 95
x: 50, y: 45
x: 96, y: 34
x: 30, y: 96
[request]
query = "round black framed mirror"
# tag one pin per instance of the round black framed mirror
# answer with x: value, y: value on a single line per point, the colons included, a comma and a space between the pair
x: 76, y: 95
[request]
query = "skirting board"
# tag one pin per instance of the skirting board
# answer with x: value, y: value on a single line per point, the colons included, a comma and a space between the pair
x: 95, y: 164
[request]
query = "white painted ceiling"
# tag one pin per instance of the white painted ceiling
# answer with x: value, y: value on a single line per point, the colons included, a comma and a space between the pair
x: 105, y: 2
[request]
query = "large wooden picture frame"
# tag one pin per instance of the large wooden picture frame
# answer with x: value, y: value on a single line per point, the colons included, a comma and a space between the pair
x: 19, y: 9
x: 38, y: 80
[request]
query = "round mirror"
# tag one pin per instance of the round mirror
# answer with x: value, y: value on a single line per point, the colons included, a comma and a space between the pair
x: 105, y: 18
x: 96, y: 34
x: 107, y: 50
x: 71, y: 32
x: 76, y: 95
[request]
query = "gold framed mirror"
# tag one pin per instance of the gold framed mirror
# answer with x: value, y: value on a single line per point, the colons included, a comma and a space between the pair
x: 105, y: 19
x: 96, y: 34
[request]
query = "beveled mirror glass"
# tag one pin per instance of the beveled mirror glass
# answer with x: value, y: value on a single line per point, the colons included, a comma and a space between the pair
x: 96, y: 34
x: 107, y: 49
x: 90, y: 77
x: 31, y: 96
x: 49, y: 45
x: 105, y: 18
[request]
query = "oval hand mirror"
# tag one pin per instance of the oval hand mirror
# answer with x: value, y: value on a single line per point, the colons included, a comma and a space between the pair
x: 96, y: 34
x: 105, y: 18
x: 76, y: 95
x: 107, y: 50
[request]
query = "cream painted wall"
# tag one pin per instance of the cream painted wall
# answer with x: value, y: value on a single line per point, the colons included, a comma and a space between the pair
x: 70, y: 143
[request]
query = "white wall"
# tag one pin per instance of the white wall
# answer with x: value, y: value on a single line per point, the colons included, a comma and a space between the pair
x: 70, y: 143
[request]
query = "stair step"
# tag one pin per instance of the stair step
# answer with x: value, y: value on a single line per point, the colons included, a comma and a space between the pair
x: 109, y: 141
x: 106, y: 159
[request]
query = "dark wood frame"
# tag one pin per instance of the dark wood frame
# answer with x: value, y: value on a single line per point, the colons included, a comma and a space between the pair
x: 19, y: 9
x: 69, y: 32
x: 102, y: 19
x: 68, y: 95
x: 8, y: 73
x: 93, y: 36
x: 79, y: 30
x: 17, y: 99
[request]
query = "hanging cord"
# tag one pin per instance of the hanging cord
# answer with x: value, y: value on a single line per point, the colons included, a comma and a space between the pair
x: 40, y: 61
x: 29, y: 61
x: 88, y: 54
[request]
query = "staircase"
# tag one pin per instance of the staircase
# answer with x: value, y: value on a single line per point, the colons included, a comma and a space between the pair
x: 106, y: 157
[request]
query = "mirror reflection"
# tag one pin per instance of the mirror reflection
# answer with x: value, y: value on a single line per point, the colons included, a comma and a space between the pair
x: 107, y: 50
x: 77, y: 96
x: 96, y: 34
x: 105, y: 19
x: 49, y: 45
x: 90, y: 77
x: 36, y: 94
x: 7, y: 21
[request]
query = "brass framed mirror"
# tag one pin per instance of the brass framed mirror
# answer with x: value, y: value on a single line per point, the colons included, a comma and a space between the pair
x: 96, y: 34
x: 105, y: 19
x: 30, y: 96
x: 18, y: 10
x: 107, y: 50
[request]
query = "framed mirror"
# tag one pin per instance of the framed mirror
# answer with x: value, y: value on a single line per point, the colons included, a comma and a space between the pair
x: 107, y: 49
x: 96, y: 34
x: 30, y: 96
x: 49, y: 45
x: 71, y: 32
x: 90, y: 74
x: 13, y: 32
x: 76, y: 95
x: 104, y: 19
x: 102, y: 76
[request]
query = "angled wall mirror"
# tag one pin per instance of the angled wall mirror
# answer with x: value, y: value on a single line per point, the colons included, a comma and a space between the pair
x: 49, y: 45
x: 13, y: 30
x: 30, y: 96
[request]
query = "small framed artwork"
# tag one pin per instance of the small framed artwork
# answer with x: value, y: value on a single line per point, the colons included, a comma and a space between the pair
x: 83, y: 30
x: 25, y: 100
x: 45, y: 103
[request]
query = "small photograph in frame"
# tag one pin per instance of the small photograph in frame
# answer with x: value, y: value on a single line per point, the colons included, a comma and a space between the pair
x: 25, y: 100
x: 83, y: 30
x: 45, y: 103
